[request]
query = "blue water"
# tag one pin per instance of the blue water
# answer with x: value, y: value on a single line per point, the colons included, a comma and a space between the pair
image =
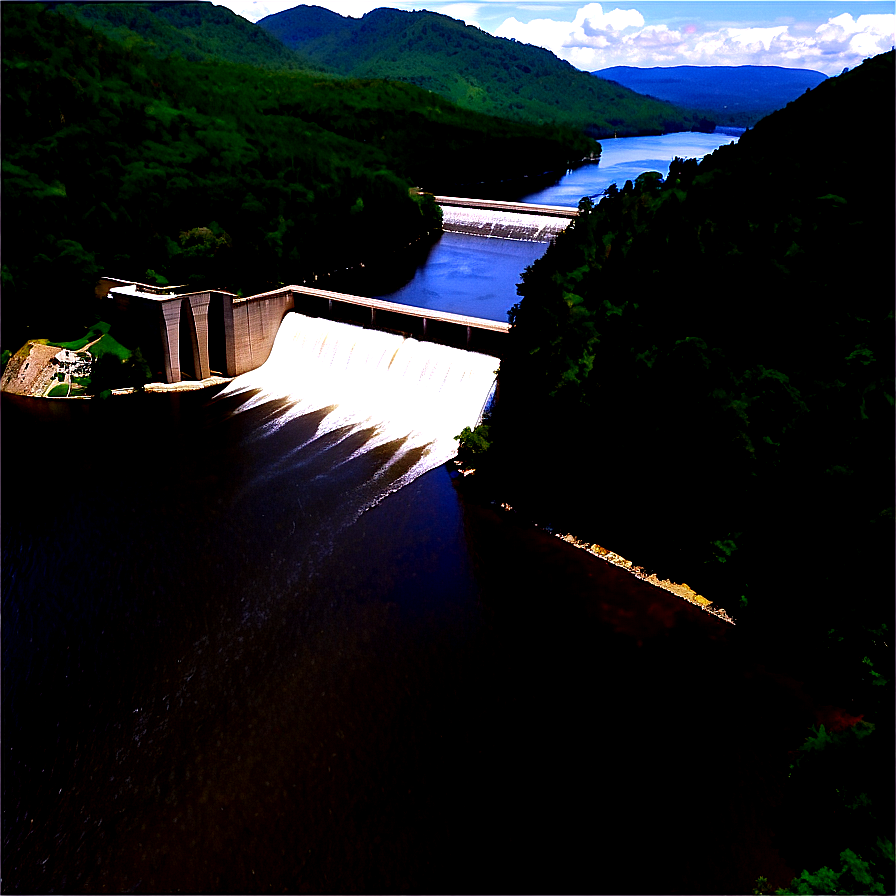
x: 469, y: 275
x: 478, y: 276
x: 624, y: 159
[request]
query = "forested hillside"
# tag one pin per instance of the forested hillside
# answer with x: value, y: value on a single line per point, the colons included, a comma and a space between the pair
x: 214, y: 174
x: 192, y: 30
x: 701, y: 379
x: 738, y: 95
x: 473, y: 69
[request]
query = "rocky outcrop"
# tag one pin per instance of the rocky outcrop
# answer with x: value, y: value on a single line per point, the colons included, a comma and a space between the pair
x: 31, y: 371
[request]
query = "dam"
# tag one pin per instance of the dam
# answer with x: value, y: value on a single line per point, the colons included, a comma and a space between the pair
x: 372, y: 392
x: 214, y: 331
x: 191, y: 335
x: 504, y: 220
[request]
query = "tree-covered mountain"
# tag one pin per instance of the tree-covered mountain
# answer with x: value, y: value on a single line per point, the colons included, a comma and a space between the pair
x: 738, y: 95
x: 473, y: 69
x: 740, y: 312
x: 700, y: 377
x: 195, y: 31
x: 215, y: 174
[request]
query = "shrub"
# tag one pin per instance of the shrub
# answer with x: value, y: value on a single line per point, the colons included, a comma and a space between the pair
x: 473, y: 445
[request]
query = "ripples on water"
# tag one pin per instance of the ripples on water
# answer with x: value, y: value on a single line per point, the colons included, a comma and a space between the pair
x: 372, y: 392
x: 219, y: 677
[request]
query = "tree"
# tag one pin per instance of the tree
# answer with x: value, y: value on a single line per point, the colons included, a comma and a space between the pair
x: 856, y: 877
x: 473, y: 445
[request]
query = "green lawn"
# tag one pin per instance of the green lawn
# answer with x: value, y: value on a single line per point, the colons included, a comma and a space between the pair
x: 109, y: 345
x: 98, y: 329
x: 59, y: 391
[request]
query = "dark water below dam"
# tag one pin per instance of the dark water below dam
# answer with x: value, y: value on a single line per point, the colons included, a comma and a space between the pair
x: 221, y: 679
x: 236, y: 660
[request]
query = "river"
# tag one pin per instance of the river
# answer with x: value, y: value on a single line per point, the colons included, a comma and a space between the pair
x: 478, y: 276
x: 234, y: 660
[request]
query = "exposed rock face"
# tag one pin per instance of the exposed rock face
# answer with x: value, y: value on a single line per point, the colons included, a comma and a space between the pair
x: 31, y: 370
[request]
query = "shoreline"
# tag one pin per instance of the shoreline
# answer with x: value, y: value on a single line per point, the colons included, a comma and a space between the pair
x: 682, y: 590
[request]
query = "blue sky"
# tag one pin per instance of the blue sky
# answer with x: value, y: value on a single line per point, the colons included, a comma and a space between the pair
x: 825, y: 36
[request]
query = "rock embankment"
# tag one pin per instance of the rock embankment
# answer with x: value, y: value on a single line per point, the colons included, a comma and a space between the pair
x: 184, y: 386
x: 31, y: 371
x: 682, y: 590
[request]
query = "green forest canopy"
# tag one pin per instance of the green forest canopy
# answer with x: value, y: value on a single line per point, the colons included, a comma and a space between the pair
x: 196, y: 32
x: 738, y: 316
x: 474, y: 69
x: 700, y: 378
x: 215, y: 174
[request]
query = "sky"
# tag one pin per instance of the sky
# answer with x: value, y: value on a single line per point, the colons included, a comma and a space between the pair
x: 824, y: 35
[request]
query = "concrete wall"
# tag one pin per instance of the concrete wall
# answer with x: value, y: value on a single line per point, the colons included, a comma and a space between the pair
x: 251, y: 325
x: 160, y: 324
x: 193, y: 310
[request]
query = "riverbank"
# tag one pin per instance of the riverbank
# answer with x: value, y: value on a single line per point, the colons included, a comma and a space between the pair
x: 472, y: 492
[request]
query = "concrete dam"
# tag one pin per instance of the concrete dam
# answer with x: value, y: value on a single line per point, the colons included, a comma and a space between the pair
x: 504, y: 220
x: 193, y: 335
x: 369, y: 397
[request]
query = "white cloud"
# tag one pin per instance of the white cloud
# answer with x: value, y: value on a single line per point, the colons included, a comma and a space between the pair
x: 755, y: 37
x: 466, y: 12
x: 598, y: 37
x: 852, y: 40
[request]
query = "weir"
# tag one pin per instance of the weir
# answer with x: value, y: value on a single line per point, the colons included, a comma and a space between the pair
x: 504, y: 220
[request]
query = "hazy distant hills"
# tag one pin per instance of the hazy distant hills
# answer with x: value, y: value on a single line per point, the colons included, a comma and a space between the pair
x: 473, y: 69
x: 195, y: 31
x: 734, y: 95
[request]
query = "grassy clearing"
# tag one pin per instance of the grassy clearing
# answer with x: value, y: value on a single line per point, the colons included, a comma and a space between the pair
x: 100, y: 328
x: 109, y: 345
x: 59, y: 391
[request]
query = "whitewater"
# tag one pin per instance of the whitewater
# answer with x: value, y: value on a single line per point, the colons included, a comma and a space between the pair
x: 375, y: 388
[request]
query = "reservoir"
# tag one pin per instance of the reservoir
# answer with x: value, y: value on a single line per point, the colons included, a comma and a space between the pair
x: 260, y: 643
x: 477, y: 276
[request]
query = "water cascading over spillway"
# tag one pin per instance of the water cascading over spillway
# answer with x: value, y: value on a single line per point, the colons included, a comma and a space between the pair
x: 506, y: 225
x: 404, y: 398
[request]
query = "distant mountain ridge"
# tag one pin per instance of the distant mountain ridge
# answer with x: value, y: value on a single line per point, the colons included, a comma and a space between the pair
x: 473, y: 69
x: 735, y: 94
x: 196, y: 31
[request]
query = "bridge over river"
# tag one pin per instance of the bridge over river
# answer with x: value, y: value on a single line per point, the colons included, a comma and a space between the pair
x: 192, y: 335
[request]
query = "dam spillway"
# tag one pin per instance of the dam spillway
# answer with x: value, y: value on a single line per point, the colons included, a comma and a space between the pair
x: 376, y: 391
x: 504, y: 220
x: 190, y: 335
